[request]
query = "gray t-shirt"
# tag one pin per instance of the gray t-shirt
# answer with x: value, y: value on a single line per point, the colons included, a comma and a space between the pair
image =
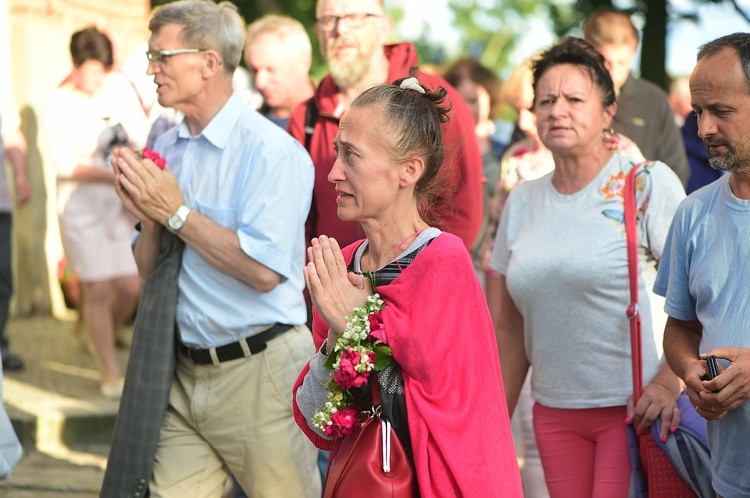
x: 565, y: 262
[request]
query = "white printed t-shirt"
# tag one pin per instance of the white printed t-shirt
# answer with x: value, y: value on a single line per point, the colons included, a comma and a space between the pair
x: 565, y: 262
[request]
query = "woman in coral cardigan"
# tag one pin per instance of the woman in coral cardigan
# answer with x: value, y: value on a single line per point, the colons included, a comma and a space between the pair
x: 442, y: 390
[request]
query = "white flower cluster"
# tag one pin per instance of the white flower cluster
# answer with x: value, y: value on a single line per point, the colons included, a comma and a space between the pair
x: 322, y: 417
x: 357, y: 324
x: 351, y: 340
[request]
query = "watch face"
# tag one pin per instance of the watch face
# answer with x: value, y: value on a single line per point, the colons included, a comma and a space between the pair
x: 174, y: 222
x: 177, y: 220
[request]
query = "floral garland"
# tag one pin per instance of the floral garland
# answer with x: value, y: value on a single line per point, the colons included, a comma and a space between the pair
x: 359, y: 350
x: 147, y: 153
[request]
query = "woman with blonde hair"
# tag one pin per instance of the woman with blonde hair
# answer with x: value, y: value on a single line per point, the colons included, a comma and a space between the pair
x: 442, y: 392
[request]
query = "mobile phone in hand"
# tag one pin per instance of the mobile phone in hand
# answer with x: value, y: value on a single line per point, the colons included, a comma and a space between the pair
x: 712, y: 369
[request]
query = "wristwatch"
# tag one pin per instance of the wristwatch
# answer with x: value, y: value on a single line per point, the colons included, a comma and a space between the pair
x: 176, y: 220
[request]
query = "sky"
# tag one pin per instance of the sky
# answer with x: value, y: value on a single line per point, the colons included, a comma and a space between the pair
x: 683, y: 38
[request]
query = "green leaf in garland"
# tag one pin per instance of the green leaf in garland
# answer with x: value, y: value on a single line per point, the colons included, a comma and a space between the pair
x: 382, y: 362
x: 330, y: 361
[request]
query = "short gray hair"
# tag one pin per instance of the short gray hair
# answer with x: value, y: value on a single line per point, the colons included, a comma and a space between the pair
x: 381, y: 5
x: 609, y: 27
x: 206, y: 25
x: 285, y: 28
x: 739, y: 42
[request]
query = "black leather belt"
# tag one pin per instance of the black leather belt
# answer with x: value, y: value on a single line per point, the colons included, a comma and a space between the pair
x: 255, y: 343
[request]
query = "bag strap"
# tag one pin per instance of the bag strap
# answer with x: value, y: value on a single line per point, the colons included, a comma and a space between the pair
x: 633, y: 312
x: 311, y: 117
x: 375, y: 390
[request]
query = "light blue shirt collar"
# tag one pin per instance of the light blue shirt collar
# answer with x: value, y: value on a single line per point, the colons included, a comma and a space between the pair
x: 219, y: 129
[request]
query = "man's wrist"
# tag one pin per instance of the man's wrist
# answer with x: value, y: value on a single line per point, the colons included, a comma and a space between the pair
x: 176, y: 221
x: 149, y: 226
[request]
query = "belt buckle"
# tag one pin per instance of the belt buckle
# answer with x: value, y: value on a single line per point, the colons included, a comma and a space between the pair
x: 191, y: 351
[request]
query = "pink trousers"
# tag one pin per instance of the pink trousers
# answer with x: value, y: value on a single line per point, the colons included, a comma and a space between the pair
x: 584, y: 452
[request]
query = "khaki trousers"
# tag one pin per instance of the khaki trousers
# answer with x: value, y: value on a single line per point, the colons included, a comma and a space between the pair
x: 237, y: 417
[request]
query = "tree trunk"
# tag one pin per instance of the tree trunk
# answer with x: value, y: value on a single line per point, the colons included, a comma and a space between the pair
x: 654, y: 45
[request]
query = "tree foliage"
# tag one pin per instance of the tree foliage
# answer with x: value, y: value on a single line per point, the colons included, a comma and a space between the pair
x: 490, y: 29
x: 657, y: 16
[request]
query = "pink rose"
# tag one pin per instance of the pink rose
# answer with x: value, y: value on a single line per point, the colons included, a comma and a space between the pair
x: 377, y: 330
x: 347, y: 376
x: 344, y: 422
x: 147, y: 153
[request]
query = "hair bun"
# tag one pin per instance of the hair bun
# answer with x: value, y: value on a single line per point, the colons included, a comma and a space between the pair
x: 412, y: 84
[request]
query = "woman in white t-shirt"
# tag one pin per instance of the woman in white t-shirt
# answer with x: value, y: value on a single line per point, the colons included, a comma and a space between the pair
x: 561, y: 256
x: 93, y: 111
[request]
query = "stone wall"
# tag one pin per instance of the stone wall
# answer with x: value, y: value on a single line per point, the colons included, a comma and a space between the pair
x: 38, y: 35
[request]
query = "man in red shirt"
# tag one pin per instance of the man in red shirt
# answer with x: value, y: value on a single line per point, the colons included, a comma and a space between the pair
x: 352, y: 37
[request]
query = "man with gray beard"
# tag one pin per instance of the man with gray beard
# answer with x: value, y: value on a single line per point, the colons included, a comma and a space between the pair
x: 352, y: 35
x: 704, y: 272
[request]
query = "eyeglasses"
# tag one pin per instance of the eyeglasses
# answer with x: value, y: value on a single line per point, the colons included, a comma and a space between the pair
x: 161, y: 55
x: 329, y: 23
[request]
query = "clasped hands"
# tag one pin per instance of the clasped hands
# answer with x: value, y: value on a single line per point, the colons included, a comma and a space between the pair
x: 149, y: 193
x: 727, y: 391
x: 334, y: 290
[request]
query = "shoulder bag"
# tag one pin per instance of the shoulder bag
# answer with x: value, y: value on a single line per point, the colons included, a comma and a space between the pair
x: 371, y: 461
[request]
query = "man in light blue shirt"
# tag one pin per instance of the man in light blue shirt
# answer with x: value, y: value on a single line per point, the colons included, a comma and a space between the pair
x: 236, y: 190
x: 704, y: 272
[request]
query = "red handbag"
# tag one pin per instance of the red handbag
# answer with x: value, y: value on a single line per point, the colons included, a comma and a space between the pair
x: 371, y: 461
x: 663, y: 480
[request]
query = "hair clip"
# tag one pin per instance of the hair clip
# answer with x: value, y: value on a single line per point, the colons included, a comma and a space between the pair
x: 412, y: 84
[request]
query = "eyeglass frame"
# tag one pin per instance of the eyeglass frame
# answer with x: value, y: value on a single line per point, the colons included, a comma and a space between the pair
x: 167, y: 53
x: 337, y: 19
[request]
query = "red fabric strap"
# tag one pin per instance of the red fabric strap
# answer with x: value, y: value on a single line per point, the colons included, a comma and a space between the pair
x: 375, y: 389
x: 633, y: 313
